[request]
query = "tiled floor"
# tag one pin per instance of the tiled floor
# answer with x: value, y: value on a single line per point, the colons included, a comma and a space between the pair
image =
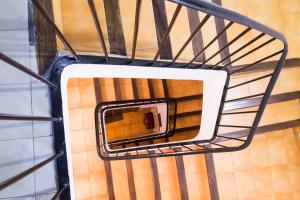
x: 131, y: 125
x: 23, y: 144
x: 272, y: 172
x: 88, y: 168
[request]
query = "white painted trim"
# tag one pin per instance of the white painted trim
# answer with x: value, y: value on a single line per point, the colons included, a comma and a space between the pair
x: 213, y: 84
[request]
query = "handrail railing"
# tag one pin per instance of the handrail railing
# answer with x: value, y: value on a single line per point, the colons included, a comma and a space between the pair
x: 175, y: 148
x: 4, y: 184
x: 24, y: 69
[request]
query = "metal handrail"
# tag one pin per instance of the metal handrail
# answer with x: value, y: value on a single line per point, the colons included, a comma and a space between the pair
x: 160, y: 150
x: 4, y: 184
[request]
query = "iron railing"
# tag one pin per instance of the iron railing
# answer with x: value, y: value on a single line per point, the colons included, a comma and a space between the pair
x: 101, y: 132
x: 219, y: 142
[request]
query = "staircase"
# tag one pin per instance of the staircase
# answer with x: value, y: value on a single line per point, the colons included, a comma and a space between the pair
x: 179, y: 176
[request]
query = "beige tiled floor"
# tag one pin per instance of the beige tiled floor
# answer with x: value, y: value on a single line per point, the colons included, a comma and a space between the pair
x: 132, y: 125
x: 88, y: 168
x: 281, y: 15
x: 268, y: 169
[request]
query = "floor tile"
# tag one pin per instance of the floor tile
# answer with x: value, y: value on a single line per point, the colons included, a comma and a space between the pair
x: 13, y: 14
x: 43, y: 149
x: 45, y: 196
x: 78, y: 142
x: 15, y: 157
x: 227, y: 186
x: 11, y: 130
x: 14, y: 44
x: 83, y: 187
x: 41, y: 106
x: 10, y: 96
x: 15, y: 99
x: 281, y: 179
x: 245, y: 184
x: 88, y: 118
x: 73, y: 97
x: 76, y: 119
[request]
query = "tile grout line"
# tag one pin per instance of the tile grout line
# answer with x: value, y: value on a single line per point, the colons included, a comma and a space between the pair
x: 31, y: 103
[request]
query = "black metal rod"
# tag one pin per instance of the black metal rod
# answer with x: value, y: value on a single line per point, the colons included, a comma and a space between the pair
x: 238, y: 139
x: 27, y: 118
x: 246, y: 97
x: 211, y: 42
x: 174, y: 149
x: 59, y: 192
x: 166, y: 35
x: 136, y: 27
x: 57, y: 31
x: 236, y: 113
x: 25, y: 69
x: 249, y: 52
x: 263, y: 59
x: 160, y: 150
x: 149, y: 152
x: 201, y: 24
x: 234, y: 126
x: 98, y: 27
x: 240, y: 49
x: 220, y: 145
x: 204, y: 147
x: 227, y: 45
x: 188, y: 148
x: 25, y: 173
x: 250, y: 81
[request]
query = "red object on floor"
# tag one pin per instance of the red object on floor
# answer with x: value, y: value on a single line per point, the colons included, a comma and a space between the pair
x: 149, y: 120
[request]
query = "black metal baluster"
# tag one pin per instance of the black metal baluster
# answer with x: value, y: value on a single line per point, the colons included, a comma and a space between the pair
x: 234, y: 126
x: 227, y: 45
x: 249, y: 52
x: 166, y: 35
x: 98, y: 27
x: 59, y: 192
x: 57, y: 31
x: 250, y: 81
x: 242, y: 112
x: 136, y: 27
x: 246, y: 97
x: 220, y: 145
x: 200, y: 145
x: 25, y: 173
x: 231, y: 138
x: 210, y: 43
x: 27, y: 118
x: 240, y: 49
x: 263, y: 59
x: 188, y: 148
x: 191, y: 37
x: 25, y: 69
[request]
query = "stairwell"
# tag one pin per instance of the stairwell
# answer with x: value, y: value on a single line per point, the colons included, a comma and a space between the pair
x: 268, y: 169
